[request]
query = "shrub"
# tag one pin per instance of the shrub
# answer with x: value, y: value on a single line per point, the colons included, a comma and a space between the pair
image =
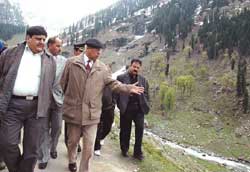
x: 227, y: 80
x: 185, y: 84
x: 167, y: 97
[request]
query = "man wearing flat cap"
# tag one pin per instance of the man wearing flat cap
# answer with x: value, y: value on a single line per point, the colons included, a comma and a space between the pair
x: 83, y: 82
x: 27, y: 74
x: 78, y: 49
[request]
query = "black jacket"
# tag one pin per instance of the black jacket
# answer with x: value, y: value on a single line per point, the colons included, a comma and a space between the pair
x: 107, y: 99
x: 122, y: 99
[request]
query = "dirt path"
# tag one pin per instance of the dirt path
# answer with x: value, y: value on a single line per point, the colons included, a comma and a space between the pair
x: 109, y: 161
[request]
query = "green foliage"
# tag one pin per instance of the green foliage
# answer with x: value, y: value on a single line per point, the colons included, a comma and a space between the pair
x: 174, y: 19
x: 221, y: 32
x: 187, y: 51
x: 9, y: 30
x: 203, y: 71
x: 157, y: 63
x: 189, y: 68
x: 167, y: 97
x: 156, y: 161
x: 11, y: 20
x: 219, y: 3
x: 228, y: 80
x: 185, y: 84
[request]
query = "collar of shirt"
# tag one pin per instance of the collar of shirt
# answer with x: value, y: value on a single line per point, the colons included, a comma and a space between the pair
x: 49, y: 53
x: 27, y: 49
x: 86, y: 59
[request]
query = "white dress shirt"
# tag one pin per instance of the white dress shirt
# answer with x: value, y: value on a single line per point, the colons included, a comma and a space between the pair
x: 29, y: 74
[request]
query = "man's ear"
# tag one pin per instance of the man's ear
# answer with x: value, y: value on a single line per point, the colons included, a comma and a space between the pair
x: 27, y: 37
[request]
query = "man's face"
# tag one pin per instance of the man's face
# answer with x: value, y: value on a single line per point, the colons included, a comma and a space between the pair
x: 56, y: 47
x: 134, y: 68
x: 93, y: 53
x: 36, y: 43
x: 77, y: 51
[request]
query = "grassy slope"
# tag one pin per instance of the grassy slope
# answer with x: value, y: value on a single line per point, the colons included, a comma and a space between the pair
x: 165, y: 159
x: 211, y: 127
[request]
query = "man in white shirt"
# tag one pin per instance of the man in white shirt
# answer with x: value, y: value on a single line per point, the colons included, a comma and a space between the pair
x: 27, y: 75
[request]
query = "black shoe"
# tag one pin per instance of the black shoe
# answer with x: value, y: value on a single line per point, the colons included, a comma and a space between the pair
x: 53, y: 155
x: 2, y: 165
x: 42, y: 166
x: 79, y: 149
x: 72, y: 167
x: 139, y: 157
x: 124, y: 153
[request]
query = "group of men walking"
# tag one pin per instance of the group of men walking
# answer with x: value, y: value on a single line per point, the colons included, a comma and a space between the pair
x: 39, y: 87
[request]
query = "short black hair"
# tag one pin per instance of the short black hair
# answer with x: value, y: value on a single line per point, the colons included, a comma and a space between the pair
x: 36, y: 30
x: 135, y: 60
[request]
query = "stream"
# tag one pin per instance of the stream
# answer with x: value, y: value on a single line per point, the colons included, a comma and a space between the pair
x: 239, y: 167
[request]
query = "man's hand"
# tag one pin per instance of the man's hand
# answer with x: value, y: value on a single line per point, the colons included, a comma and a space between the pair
x: 136, y: 89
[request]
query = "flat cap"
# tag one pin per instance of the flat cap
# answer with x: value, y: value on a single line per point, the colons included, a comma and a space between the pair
x: 94, y: 43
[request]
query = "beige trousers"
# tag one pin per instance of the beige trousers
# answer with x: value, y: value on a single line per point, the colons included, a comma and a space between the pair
x: 88, y: 141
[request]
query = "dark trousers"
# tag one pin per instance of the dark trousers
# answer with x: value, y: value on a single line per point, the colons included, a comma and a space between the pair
x: 104, y: 127
x: 20, y: 114
x: 1, y: 156
x: 125, y: 129
x: 66, y: 138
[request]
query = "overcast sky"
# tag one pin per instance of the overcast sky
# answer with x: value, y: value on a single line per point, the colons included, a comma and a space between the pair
x: 56, y: 14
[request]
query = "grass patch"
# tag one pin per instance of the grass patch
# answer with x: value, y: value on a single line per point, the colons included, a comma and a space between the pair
x: 156, y: 162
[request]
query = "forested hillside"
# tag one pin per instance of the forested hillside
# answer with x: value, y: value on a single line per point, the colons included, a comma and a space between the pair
x: 196, y: 56
x: 11, y: 20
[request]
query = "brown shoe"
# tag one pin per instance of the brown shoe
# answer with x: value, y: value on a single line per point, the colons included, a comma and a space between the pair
x: 72, y: 167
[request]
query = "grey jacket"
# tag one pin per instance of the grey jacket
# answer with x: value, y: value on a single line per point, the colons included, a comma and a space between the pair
x: 57, y: 90
x: 9, y: 64
x: 122, y: 100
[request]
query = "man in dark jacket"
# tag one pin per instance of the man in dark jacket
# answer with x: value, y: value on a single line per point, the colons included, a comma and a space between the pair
x: 27, y: 74
x: 107, y: 119
x: 133, y: 108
